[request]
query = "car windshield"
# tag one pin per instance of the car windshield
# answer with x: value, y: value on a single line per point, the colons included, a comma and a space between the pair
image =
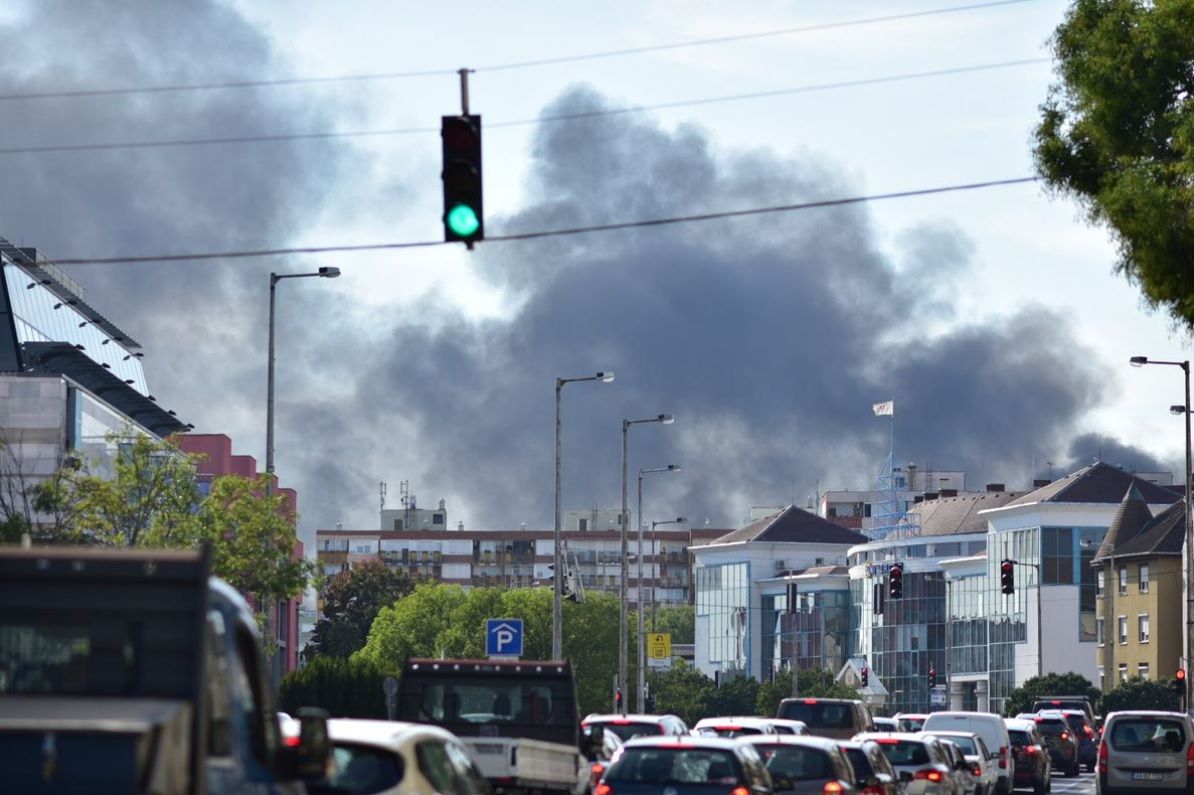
x: 904, y: 752
x: 911, y: 724
x: 1148, y: 735
x: 820, y: 714
x: 628, y: 731
x: 728, y: 730
x: 965, y: 743
x: 674, y: 765
x: 858, y: 761
x: 1019, y: 737
x: 796, y: 762
x: 1052, y: 727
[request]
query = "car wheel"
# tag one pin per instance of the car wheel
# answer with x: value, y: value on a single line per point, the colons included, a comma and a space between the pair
x: 1075, y: 769
x: 1040, y: 787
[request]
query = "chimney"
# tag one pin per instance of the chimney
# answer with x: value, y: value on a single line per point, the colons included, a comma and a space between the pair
x: 1036, y: 484
x: 949, y: 492
x: 995, y: 487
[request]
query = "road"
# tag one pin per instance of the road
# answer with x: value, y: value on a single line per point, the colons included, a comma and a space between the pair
x: 1082, y: 784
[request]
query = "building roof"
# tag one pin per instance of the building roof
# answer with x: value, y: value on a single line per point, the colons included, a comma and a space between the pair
x: 1163, y: 535
x: 62, y: 358
x: 1098, y: 483
x: 1132, y: 516
x: 793, y: 525
x: 946, y: 516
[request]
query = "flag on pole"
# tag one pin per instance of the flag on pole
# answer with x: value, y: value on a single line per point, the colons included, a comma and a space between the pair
x: 884, y: 409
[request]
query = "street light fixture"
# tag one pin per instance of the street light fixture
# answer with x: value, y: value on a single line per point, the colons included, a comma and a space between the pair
x: 642, y: 695
x: 326, y: 272
x: 1140, y: 361
x: 557, y: 620
x: 623, y: 651
x: 642, y: 685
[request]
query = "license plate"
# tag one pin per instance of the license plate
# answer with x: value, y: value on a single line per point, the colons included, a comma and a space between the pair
x: 1148, y: 776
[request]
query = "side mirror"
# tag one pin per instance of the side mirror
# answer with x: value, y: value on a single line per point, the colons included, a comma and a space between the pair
x: 962, y: 764
x: 872, y: 781
x: 592, y: 740
x: 306, y: 756
x: 905, y: 776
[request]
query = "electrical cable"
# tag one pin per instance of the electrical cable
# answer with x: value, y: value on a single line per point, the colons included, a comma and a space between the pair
x: 42, y: 149
x: 238, y: 84
x: 533, y: 235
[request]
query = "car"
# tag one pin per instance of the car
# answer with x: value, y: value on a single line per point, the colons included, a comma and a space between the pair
x: 979, y: 764
x: 805, y: 765
x: 910, y: 721
x: 379, y: 757
x: 919, y: 761
x: 627, y: 727
x: 785, y: 726
x: 991, y: 729
x: 872, y: 771
x: 1087, y: 736
x: 1060, y: 740
x: 959, y: 768
x: 1066, y: 702
x: 599, y: 761
x: 1146, y: 751
x: 1034, y: 767
x: 733, y: 727
x: 687, y: 765
x: 886, y: 725
x: 839, y: 718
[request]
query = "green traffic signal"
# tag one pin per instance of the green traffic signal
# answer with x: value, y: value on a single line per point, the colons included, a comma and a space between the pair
x: 463, y: 221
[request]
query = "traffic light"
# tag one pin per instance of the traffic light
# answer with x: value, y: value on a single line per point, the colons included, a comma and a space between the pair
x: 1179, y: 681
x: 865, y: 676
x: 649, y: 703
x: 464, y: 220
x: 895, y: 582
x: 932, y: 676
x: 1007, y: 576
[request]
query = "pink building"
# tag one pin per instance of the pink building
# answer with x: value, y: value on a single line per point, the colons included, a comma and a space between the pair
x: 217, y: 460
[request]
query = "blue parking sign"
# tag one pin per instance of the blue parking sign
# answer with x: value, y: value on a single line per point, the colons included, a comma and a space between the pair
x: 503, y: 637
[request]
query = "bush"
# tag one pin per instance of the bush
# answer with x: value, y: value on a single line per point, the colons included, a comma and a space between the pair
x: 1137, y: 693
x: 346, y: 688
x: 1067, y: 684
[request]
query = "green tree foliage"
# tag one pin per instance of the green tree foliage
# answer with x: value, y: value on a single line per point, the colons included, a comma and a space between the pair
x: 345, y: 688
x: 1051, y: 684
x: 351, y: 600
x: 735, y: 697
x: 813, y: 683
x: 677, y: 620
x: 1117, y: 133
x: 1137, y: 693
x: 682, y: 691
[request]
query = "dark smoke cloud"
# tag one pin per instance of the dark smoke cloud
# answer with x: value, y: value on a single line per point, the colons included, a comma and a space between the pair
x: 768, y: 337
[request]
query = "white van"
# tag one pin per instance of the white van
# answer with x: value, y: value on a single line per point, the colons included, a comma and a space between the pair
x: 994, y: 733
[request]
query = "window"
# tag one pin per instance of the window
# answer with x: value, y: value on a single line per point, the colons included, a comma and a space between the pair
x: 1142, y: 626
x: 1101, y: 580
x: 437, y: 518
x: 1142, y: 671
x: 1143, y: 578
x: 1123, y: 581
x: 583, y: 525
x: 1102, y: 631
x: 1123, y: 672
x: 1123, y: 630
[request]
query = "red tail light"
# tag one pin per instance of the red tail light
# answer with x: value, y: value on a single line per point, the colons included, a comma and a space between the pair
x: 832, y: 788
x: 1089, y: 731
x: 934, y: 776
x: 1065, y: 735
x: 1190, y: 760
x: 872, y: 791
x: 739, y: 791
x: 603, y: 789
x: 976, y: 771
x: 1032, y: 749
x: 1103, y: 756
x: 1003, y: 758
x: 597, y: 769
x: 292, y: 741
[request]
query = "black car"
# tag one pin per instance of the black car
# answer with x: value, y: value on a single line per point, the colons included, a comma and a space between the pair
x: 1034, y: 768
x: 688, y: 766
x: 1061, y: 742
x: 1087, y: 736
x: 805, y: 765
x: 872, y: 771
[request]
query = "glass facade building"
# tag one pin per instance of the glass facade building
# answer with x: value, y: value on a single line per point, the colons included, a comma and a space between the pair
x: 818, y: 633
x: 723, y: 598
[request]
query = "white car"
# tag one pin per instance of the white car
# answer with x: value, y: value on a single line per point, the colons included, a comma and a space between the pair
x: 785, y: 726
x: 379, y: 757
x: 982, y: 766
x: 733, y: 727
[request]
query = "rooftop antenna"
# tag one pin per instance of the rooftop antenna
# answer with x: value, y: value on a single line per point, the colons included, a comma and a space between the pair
x: 381, y: 493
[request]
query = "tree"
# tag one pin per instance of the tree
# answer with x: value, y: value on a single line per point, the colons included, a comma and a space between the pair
x: 345, y: 688
x: 734, y: 697
x: 1051, y: 684
x: 814, y: 683
x: 1117, y: 133
x: 412, y: 626
x: 1137, y: 693
x: 684, y: 691
x: 677, y: 620
x: 351, y: 600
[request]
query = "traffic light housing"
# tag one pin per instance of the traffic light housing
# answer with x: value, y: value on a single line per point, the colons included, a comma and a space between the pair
x: 895, y: 582
x: 464, y: 219
x: 1007, y: 576
x: 1179, y: 681
x: 932, y: 676
x: 865, y: 676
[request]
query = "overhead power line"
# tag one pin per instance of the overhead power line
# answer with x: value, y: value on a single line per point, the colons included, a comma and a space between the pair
x: 499, y: 67
x: 323, y: 135
x: 544, y: 233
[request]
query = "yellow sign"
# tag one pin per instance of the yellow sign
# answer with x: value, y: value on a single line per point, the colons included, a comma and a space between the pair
x: 659, y: 645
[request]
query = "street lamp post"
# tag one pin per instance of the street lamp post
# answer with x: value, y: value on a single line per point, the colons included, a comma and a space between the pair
x: 642, y: 685
x: 274, y: 278
x: 642, y: 695
x: 1140, y: 361
x: 623, y: 651
x: 557, y: 571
